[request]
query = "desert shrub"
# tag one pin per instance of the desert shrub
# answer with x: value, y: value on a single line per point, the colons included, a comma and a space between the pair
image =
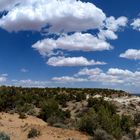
x: 102, y: 135
x: 70, y: 139
x: 102, y: 116
x: 48, y: 109
x: 62, y: 99
x: 24, y: 108
x: 2, y: 104
x: 4, y: 136
x: 126, y: 123
x: 132, y: 105
x: 32, y: 112
x: 133, y: 134
x: 90, y: 138
x: 51, y: 112
x: 137, y: 118
x: 33, y: 133
x: 88, y: 122
x: 12, y: 97
x: 80, y: 97
x: 97, y: 102
x: 22, y: 115
x: 110, y: 123
x: 65, y: 114
x: 53, y: 120
x: 116, y: 126
x: 125, y: 138
x: 139, y: 134
x: 60, y: 125
x: 59, y: 117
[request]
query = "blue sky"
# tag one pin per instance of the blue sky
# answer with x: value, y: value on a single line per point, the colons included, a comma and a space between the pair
x: 69, y: 43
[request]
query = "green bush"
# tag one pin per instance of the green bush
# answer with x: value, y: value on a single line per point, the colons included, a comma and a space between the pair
x: 102, y: 135
x: 60, y: 125
x: 22, y: 115
x: 33, y: 133
x: 126, y: 138
x: 64, y: 114
x: 49, y: 108
x: 62, y: 99
x: 53, y: 120
x: 101, y: 115
x: 97, y: 102
x: 80, y: 97
x: 4, y: 136
x: 126, y: 123
x: 137, y: 118
x: 26, y: 108
x: 88, y: 122
x: 2, y: 104
x: 110, y: 123
x: 51, y: 112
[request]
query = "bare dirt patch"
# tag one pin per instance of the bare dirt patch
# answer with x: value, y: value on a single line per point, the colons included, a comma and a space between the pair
x: 18, y: 129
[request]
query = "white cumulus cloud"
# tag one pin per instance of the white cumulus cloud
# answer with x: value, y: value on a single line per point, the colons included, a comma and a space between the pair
x: 131, y: 54
x: 115, y: 24
x: 111, y: 26
x: 30, y: 83
x: 136, y: 24
x: 107, y: 34
x: 67, y: 15
x: 72, y: 61
x: 119, y: 72
x: 24, y: 70
x: 75, y: 42
x: 67, y: 79
x: 7, y: 4
x: 86, y: 71
x: 3, y: 77
x: 112, y: 76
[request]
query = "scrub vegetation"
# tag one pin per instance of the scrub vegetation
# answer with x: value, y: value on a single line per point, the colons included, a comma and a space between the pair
x: 77, y: 109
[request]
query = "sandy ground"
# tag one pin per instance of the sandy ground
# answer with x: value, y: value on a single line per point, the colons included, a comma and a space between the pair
x: 18, y: 129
